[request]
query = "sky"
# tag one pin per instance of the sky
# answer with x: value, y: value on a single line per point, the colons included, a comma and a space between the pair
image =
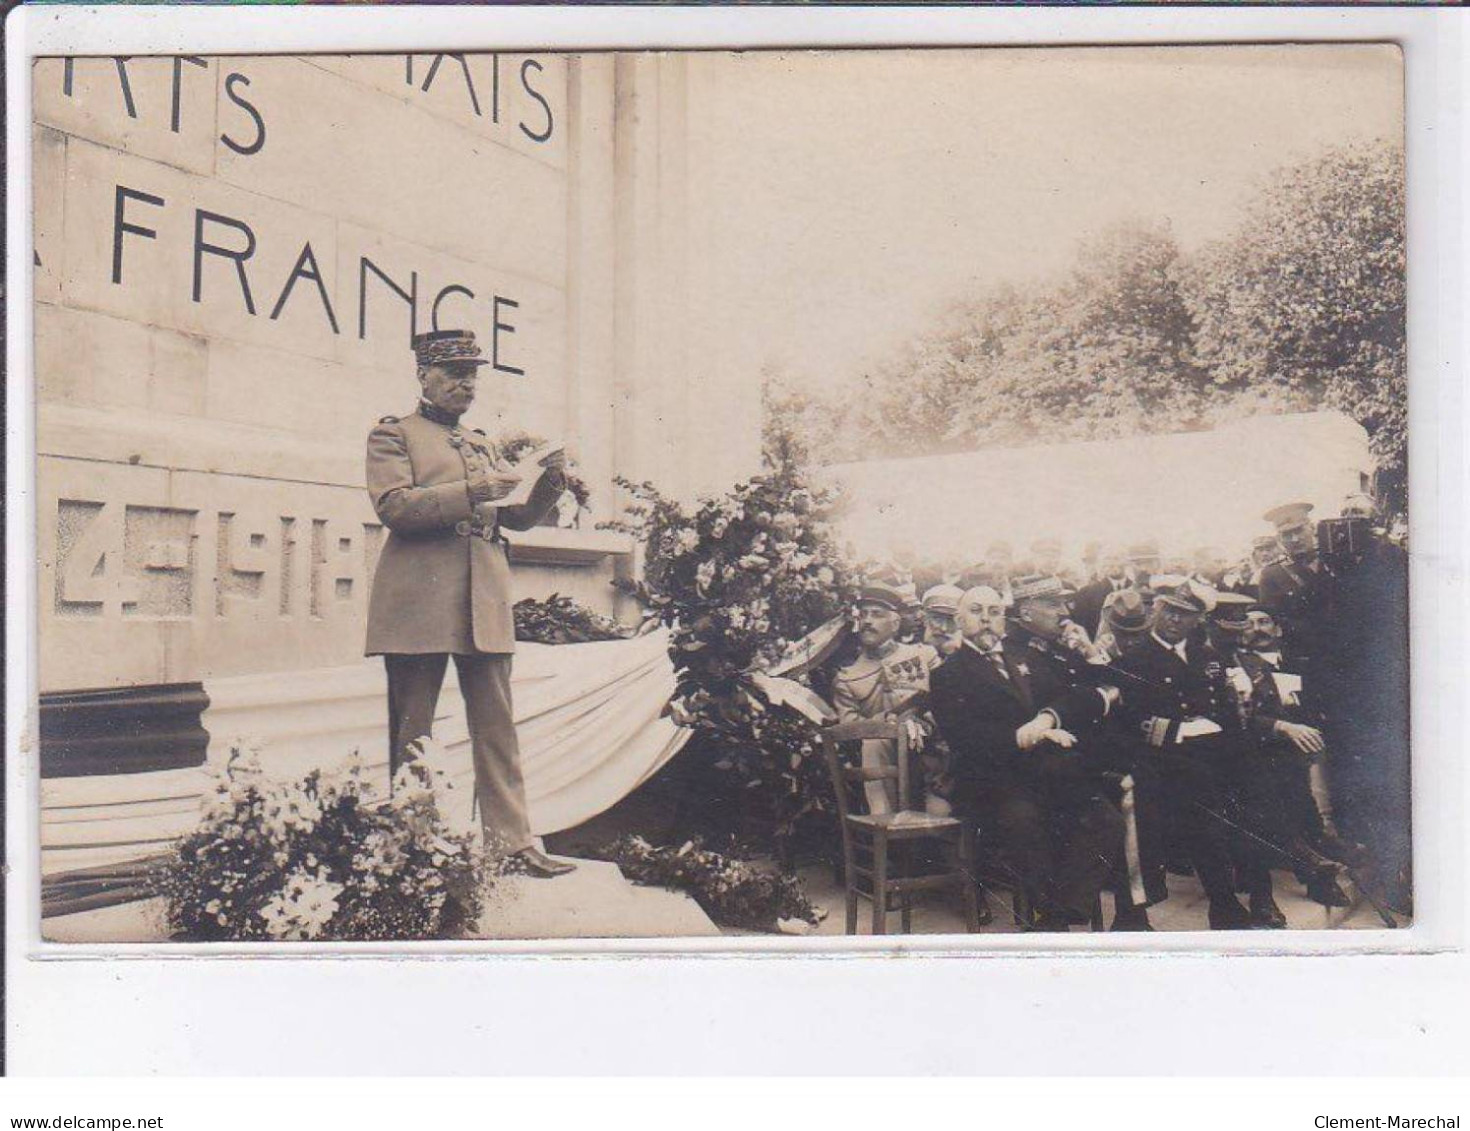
x: 841, y: 200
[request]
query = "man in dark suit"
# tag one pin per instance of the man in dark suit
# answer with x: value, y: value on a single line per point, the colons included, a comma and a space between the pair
x: 1179, y: 705
x: 1014, y: 716
x: 1277, y: 800
x: 1087, y: 608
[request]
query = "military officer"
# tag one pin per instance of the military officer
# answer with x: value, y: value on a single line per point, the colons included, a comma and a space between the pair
x: 442, y: 586
x: 1179, y: 706
x: 886, y: 676
x: 1296, y: 588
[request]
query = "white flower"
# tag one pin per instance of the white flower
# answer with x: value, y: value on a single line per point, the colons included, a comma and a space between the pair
x: 704, y: 575
x: 686, y: 542
x: 721, y: 524
x: 302, y: 908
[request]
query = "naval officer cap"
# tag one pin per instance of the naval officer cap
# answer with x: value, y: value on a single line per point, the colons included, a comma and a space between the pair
x: 448, y: 347
x: 1185, y: 593
x: 1231, y: 611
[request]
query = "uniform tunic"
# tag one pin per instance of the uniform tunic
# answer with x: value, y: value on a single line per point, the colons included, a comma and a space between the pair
x: 443, y: 581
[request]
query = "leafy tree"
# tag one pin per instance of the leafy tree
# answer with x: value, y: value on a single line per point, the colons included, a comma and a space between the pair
x: 1306, y: 299
x: 1301, y: 307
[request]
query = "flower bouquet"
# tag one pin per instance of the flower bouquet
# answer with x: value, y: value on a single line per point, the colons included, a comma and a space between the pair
x: 733, y: 893
x: 322, y: 858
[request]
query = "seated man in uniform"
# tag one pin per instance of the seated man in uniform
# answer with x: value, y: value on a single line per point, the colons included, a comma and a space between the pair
x: 886, y: 676
x: 1180, y: 711
x: 1014, y: 712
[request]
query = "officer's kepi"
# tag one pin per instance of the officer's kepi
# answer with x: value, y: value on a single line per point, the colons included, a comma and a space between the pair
x: 448, y: 347
x: 881, y: 593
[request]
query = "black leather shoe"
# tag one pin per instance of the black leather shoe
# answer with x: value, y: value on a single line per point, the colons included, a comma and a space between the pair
x: 1131, y: 919
x: 1229, y: 915
x: 1264, y: 913
x: 535, y: 863
x: 1323, y: 888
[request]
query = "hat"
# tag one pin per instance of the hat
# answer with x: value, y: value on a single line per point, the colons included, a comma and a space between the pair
x: 1039, y: 585
x: 943, y: 599
x: 1230, y: 609
x: 883, y: 593
x: 1263, y: 542
x: 1143, y: 551
x: 1288, y: 516
x: 1359, y: 505
x: 1187, y: 594
x: 997, y: 548
x: 448, y: 347
x: 1046, y: 546
x: 1125, y: 611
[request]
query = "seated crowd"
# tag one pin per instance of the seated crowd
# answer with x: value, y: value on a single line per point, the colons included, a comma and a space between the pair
x: 1100, y: 727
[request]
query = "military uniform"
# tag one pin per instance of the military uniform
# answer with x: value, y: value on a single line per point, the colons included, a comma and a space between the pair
x: 873, y: 686
x: 442, y: 587
x: 1185, y: 720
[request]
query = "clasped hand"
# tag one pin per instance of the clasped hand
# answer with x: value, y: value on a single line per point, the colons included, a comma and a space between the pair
x: 1044, y: 728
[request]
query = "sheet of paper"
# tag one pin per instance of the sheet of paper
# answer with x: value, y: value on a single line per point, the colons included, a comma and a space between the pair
x: 527, y: 467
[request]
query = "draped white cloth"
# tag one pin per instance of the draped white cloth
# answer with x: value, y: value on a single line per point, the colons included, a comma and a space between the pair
x: 590, y: 718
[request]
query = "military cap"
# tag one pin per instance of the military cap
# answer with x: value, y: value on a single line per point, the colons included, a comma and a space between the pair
x: 1288, y: 516
x: 1143, y: 551
x: 1046, y: 546
x: 1263, y: 542
x: 1038, y: 585
x: 1126, y: 612
x: 1186, y: 594
x: 883, y: 593
x: 1230, y: 611
x: 999, y: 548
x: 448, y: 347
x: 943, y: 599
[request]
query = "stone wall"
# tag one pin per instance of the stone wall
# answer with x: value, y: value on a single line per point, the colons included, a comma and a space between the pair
x: 231, y: 257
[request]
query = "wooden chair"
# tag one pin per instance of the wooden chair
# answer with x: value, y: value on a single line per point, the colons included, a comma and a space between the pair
x: 869, y: 841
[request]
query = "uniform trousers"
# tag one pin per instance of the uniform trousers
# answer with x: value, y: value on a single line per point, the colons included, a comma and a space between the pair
x: 414, y: 682
x: 1199, y: 779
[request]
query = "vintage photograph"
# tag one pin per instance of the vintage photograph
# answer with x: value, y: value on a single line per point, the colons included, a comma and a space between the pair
x: 676, y: 495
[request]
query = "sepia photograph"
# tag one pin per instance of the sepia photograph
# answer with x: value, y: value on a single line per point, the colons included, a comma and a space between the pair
x: 798, y: 494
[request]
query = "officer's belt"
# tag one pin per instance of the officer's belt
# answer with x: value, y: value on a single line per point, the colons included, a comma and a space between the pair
x: 468, y: 528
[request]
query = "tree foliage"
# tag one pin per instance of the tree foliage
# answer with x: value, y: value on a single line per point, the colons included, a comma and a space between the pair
x: 1300, y: 307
